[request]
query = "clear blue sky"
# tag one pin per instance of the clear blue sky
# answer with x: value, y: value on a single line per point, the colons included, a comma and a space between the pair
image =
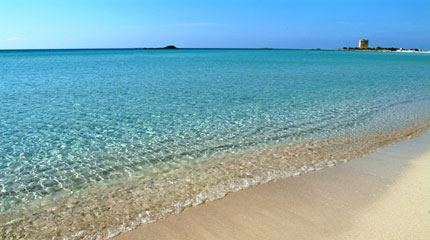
x: 213, y: 23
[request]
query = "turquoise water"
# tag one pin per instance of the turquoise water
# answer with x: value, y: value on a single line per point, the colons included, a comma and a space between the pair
x: 78, y: 120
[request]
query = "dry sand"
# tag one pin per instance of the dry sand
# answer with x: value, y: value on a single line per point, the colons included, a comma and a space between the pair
x: 385, y: 195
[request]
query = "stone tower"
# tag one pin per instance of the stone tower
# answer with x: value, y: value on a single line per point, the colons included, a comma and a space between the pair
x: 363, y: 43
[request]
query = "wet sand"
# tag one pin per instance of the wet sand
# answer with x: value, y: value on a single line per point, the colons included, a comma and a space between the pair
x: 385, y: 195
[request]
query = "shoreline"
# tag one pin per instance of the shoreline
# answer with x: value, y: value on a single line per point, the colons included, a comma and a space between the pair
x: 112, y: 203
x: 344, y: 202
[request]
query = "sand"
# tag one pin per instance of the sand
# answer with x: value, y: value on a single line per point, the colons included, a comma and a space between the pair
x: 385, y: 195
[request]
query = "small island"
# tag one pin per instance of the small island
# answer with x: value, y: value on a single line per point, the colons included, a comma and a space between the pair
x: 166, y: 47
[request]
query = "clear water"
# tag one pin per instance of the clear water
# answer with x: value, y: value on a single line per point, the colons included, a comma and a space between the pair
x: 167, y: 129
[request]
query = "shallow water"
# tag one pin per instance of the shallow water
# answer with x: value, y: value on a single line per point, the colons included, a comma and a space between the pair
x: 93, y: 143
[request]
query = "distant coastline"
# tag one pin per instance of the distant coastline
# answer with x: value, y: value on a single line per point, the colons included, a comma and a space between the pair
x: 377, y: 49
x: 382, y: 49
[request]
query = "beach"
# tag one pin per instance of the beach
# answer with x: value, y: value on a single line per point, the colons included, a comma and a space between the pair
x: 104, y: 141
x: 214, y: 120
x: 385, y: 195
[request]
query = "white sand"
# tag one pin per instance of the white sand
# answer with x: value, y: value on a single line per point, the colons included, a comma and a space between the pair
x: 385, y: 195
x: 402, y: 211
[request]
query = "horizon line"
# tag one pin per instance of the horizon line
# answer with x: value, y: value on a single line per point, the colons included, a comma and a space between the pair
x: 149, y: 48
x: 162, y: 48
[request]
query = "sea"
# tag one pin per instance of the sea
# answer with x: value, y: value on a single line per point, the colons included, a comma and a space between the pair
x: 97, y: 142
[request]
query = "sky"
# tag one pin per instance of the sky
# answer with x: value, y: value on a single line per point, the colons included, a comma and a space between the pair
x: 48, y: 24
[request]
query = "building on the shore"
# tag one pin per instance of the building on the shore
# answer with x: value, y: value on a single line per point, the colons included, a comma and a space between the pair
x: 363, y: 43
